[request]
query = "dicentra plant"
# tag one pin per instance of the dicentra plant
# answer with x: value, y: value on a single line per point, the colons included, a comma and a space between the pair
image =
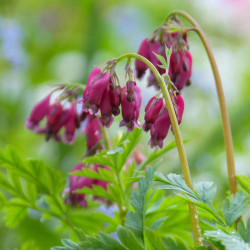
x: 115, y: 199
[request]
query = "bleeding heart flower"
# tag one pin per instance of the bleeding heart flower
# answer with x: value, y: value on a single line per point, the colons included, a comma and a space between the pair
x: 39, y: 111
x: 131, y: 102
x: 152, y: 111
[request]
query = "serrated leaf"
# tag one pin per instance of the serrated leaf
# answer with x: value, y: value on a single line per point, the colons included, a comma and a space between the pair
x: 157, y: 153
x: 101, y: 241
x: 97, y: 191
x: 153, y: 241
x: 230, y: 241
x: 128, y: 239
x: 102, y: 174
x: 128, y: 145
x: 14, y: 215
x: 67, y: 245
x: 157, y: 223
x: 244, y: 231
x: 162, y: 60
x: 101, y: 158
x: 244, y: 182
x: 234, y: 207
x: 136, y: 220
x: 206, y: 191
x: 173, y: 243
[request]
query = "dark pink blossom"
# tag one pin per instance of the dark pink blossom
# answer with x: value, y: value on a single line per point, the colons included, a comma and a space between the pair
x: 93, y: 134
x: 106, y: 109
x: 71, y: 125
x: 139, y: 65
x: 40, y: 110
x: 179, y: 109
x: 115, y: 99
x: 180, y: 68
x: 92, y: 95
x: 130, y: 102
x: 159, y: 129
x: 152, y: 111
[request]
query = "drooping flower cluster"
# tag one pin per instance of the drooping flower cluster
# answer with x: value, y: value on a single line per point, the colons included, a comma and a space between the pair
x: 79, y: 182
x: 102, y: 96
x: 57, y: 117
x: 157, y: 119
x: 180, y: 67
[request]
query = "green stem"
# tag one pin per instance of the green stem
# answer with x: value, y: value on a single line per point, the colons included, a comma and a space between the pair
x: 224, y: 113
x: 105, y: 138
x: 178, y: 139
x: 117, y: 173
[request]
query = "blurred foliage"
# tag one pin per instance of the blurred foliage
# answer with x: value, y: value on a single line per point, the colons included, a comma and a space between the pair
x: 44, y: 42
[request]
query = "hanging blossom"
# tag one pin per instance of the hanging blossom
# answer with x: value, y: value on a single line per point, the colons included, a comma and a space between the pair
x: 180, y: 68
x: 93, y: 135
x: 131, y: 103
x: 57, y: 118
x: 157, y: 119
x: 101, y: 96
x: 79, y: 182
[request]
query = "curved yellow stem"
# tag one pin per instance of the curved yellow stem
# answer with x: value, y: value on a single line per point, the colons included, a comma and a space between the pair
x: 224, y: 113
x: 178, y: 139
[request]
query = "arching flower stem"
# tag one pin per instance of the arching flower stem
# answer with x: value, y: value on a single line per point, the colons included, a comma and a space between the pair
x: 224, y: 113
x: 178, y: 139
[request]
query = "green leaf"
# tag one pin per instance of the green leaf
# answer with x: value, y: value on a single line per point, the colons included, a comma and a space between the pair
x: 14, y: 214
x: 206, y: 191
x: 157, y: 153
x: 102, y: 158
x: 153, y: 241
x: 162, y: 60
x: 244, y: 182
x: 101, y: 241
x: 128, y: 239
x: 67, y: 245
x: 157, y: 223
x: 230, y: 241
x: 102, y: 174
x: 97, y: 191
x: 136, y: 220
x: 128, y: 146
x: 173, y: 243
x: 244, y: 231
x: 232, y: 209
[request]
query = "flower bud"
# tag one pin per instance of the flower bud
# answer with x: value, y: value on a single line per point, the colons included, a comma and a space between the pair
x: 93, y: 134
x: 130, y: 109
x: 115, y: 99
x: 106, y: 109
x: 159, y: 129
x: 152, y: 111
x: 39, y: 111
x: 70, y: 126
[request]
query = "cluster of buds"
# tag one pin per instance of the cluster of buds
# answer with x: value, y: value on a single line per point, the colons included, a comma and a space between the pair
x: 180, y: 65
x: 57, y: 117
x: 79, y: 182
x: 157, y: 118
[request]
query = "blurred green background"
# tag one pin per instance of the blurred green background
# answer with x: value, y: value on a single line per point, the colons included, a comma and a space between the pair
x: 46, y: 42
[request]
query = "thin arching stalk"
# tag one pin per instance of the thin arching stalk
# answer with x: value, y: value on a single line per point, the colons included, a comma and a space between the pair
x: 178, y: 139
x: 224, y: 113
